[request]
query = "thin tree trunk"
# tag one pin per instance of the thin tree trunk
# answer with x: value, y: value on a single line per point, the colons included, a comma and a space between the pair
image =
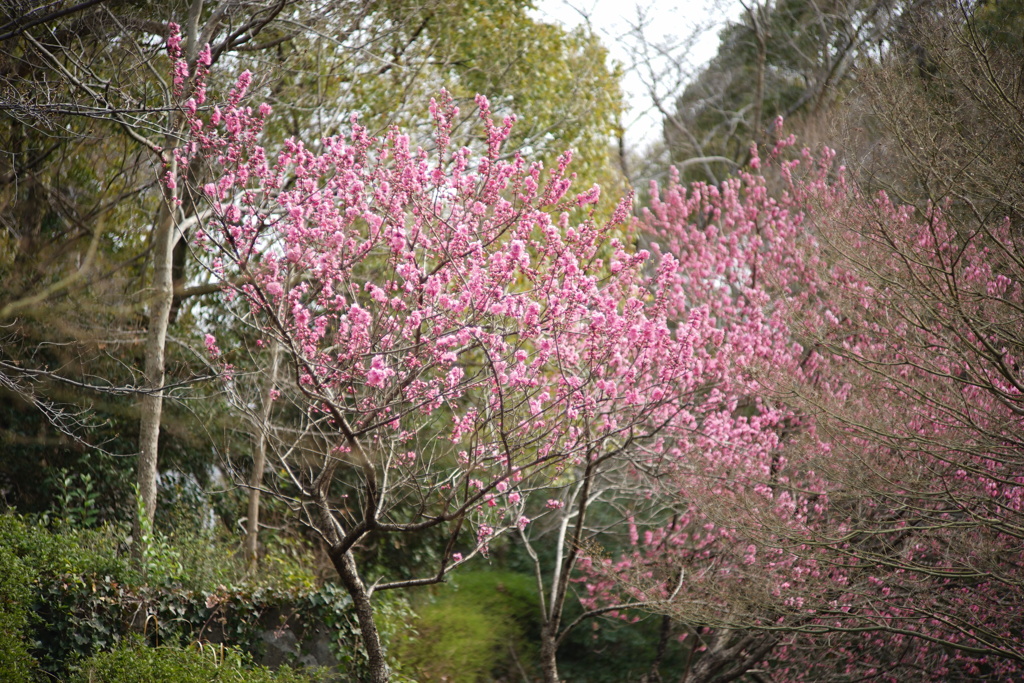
x: 551, y: 630
x: 165, y: 236
x: 762, y: 56
x: 345, y: 564
x: 156, y: 341
x: 759, y: 15
x: 252, y: 526
x: 663, y: 637
x: 549, y: 653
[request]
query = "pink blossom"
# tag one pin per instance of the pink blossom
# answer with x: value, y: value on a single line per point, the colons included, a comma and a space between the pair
x: 211, y: 345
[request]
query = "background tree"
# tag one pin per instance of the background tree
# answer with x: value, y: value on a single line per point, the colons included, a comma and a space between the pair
x: 793, y: 59
x: 926, y: 318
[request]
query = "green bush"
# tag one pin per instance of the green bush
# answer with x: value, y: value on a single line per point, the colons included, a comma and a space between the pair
x: 65, y: 551
x: 32, y: 557
x: 204, y: 559
x: 16, y: 664
x: 475, y: 630
x: 80, y: 617
x: 136, y: 663
x: 35, y: 564
x: 67, y: 594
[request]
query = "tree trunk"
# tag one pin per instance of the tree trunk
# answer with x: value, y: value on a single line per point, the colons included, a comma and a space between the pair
x: 665, y: 633
x: 252, y: 525
x: 164, y: 237
x: 548, y: 653
x: 759, y: 91
x: 345, y: 564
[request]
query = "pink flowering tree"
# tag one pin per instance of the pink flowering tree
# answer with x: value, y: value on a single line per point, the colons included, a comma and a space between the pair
x: 736, y: 488
x: 920, y: 339
x: 455, y: 344
x: 678, y: 503
x: 879, y: 535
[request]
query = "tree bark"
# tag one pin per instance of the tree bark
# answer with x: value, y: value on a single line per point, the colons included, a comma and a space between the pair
x: 252, y: 525
x: 345, y: 564
x: 151, y: 409
x: 549, y: 653
x: 759, y: 18
x: 165, y: 236
x: 665, y: 632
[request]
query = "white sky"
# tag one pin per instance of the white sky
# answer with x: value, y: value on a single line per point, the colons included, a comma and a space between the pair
x: 667, y: 24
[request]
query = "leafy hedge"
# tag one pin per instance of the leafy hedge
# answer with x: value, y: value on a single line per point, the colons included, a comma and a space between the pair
x: 138, y: 663
x: 66, y: 596
x: 31, y: 558
x: 16, y: 664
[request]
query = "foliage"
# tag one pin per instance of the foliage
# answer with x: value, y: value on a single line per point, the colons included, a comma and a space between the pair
x: 67, y: 551
x: 70, y: 596
x: 16, y: 664
x: 33, y: 559
x: 76, y: 499
x: 558, y: 83
x: 134, y: 662
x: 47, y: 475
x: 789, y: 58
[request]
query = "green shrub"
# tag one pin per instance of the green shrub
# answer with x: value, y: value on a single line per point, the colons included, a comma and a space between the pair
x: 82, y: 617
x: 32, y: 557
x: 67, y: 594
x: 36, y: 564
x: 16, y: 664
x: 136, y: 663
x: 204, y: 559
x: 65, y: 551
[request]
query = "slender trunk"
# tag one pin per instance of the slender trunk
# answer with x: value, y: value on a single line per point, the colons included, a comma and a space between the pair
x: 252, y: 526
x: 551, y: 630
x: 549, y: 653
x: 345, y: 564
x: 623, y: 160
x: 156, y: 340
x: 663, y: 637
x: 165, y: 236
x: 762, y: 50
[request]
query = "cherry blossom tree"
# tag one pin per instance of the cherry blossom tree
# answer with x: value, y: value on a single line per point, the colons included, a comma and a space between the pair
x: 457, y: 343
x: 679, y: 492
x: 737, y: 490
x: 921, y: 337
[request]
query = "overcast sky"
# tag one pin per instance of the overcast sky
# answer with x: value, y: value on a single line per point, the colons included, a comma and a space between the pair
x: 666, y: 23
